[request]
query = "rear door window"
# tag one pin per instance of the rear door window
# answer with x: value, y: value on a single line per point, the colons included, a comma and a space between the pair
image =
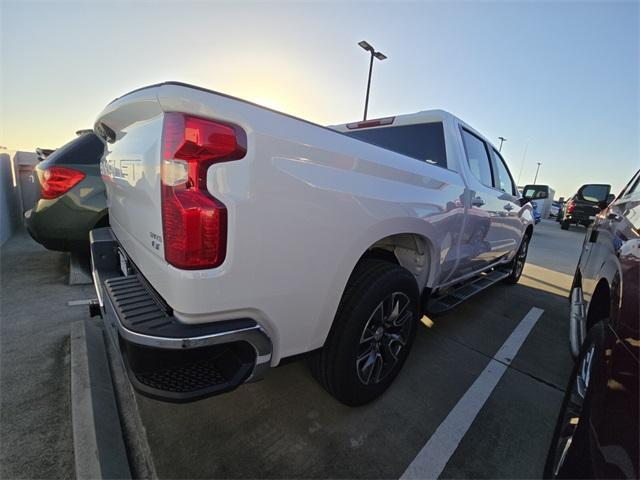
x: 477, y: 158
x: 504, y: 180
x: 424, y: 141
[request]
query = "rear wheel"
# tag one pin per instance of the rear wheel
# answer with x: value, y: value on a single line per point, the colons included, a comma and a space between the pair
x: 569, y: 451
x: 518, y: 262
x: 372, y: 333
x: 565, y: 224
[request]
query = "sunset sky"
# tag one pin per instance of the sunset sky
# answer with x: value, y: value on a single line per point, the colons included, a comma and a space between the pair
x: 560, y: 76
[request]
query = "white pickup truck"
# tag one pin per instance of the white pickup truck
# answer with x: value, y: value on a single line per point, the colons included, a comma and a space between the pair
x: 241, y: 236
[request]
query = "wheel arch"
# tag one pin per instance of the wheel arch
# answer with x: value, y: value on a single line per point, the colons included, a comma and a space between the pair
x: 409, y: 246
x: 412, y: 251
x: 600, y: 303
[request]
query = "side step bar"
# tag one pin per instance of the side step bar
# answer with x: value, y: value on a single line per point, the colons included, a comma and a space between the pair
x: 458, y: 294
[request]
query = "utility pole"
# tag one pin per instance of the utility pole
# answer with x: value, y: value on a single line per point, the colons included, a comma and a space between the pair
x: 502, y: 139
x: 379, y: 56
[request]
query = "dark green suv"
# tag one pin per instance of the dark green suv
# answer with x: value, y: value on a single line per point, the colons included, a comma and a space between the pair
x: 72, y: 196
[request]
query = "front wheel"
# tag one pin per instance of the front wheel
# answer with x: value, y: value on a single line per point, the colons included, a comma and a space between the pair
x: 518, y: 262
x: 372, y: 333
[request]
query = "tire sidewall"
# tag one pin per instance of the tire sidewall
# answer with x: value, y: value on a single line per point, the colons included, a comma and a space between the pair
x: 595, y: 337
x: 395, y: 280
x: 514, y: 276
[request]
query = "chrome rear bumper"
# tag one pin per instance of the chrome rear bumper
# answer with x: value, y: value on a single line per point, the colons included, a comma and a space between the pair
x: 166, y: 359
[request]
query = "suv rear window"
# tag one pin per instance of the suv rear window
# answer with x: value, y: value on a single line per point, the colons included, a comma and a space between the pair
x: 86, y: 149
x: 534, y: 192
x: 424, y: 141
x: 594, y: 193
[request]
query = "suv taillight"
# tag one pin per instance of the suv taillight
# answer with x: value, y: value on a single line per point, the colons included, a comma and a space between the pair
x: 57, y: 181
x: 570, y: 207
x: 194, y: 223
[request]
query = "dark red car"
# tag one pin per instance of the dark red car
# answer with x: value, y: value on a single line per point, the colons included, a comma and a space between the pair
x: 597, y: 435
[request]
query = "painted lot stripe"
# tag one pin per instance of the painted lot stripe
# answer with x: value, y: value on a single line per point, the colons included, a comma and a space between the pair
x: 431, y: 460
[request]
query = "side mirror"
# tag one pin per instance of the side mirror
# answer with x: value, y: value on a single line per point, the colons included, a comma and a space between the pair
x: 524, y: 200
x: 603, y: 204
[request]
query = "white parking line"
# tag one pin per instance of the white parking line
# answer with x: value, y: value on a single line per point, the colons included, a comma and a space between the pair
x: 431, y: 460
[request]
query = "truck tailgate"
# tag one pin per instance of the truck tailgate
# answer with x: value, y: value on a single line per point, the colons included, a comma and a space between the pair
x: 132, y: 126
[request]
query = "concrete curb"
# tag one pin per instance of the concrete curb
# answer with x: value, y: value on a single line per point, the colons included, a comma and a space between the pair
x: 135, y: 433
x: 98, y: 445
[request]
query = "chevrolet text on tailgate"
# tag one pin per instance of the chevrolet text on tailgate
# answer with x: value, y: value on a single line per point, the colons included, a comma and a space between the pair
x: 241, y: 236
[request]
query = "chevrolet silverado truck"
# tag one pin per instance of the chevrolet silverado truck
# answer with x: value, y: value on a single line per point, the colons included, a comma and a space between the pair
x: 241, y: 236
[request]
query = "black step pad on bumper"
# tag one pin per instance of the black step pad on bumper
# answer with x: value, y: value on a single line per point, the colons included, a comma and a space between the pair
x: 166, y: 359
x: 141, y: 311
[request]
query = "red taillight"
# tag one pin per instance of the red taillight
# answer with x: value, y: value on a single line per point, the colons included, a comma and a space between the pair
x: 57, y: 181
x: 194, y: 223
x: 570, y: 207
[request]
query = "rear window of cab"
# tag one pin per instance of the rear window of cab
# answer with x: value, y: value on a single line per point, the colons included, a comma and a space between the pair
x: 422, y: 141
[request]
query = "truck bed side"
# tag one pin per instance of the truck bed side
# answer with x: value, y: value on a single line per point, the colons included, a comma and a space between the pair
x: 304, y: 204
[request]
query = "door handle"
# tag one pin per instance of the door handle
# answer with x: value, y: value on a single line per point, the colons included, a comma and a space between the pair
x: 477, y: 202
x: 508, y: 207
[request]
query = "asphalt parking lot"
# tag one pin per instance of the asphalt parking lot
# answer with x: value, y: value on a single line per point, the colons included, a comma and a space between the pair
x: 286, y: 425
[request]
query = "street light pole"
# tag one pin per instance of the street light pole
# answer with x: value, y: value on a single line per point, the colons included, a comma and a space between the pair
x: 366, y: 101
x: 536, y: 177
x: 502, y: 139
x: 524, y: 155
x: 379, y: 56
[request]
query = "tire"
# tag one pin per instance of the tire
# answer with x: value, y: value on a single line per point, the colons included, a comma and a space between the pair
x: 565, y: 224
x: 518, y: 262
x: 369, y: 343
x: 569, y: 438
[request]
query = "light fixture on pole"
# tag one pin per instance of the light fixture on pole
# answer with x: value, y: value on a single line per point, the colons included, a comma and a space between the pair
x: 502, y: 139
x: 379, y: 56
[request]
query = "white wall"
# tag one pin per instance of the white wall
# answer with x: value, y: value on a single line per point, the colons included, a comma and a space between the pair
x: 10, y: 210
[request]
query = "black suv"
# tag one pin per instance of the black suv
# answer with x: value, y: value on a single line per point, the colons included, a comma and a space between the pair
x: 598, y: 430
x: 582, y: 208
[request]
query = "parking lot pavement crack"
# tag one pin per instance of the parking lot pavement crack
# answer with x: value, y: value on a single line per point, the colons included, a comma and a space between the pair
x: 499, y: 360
